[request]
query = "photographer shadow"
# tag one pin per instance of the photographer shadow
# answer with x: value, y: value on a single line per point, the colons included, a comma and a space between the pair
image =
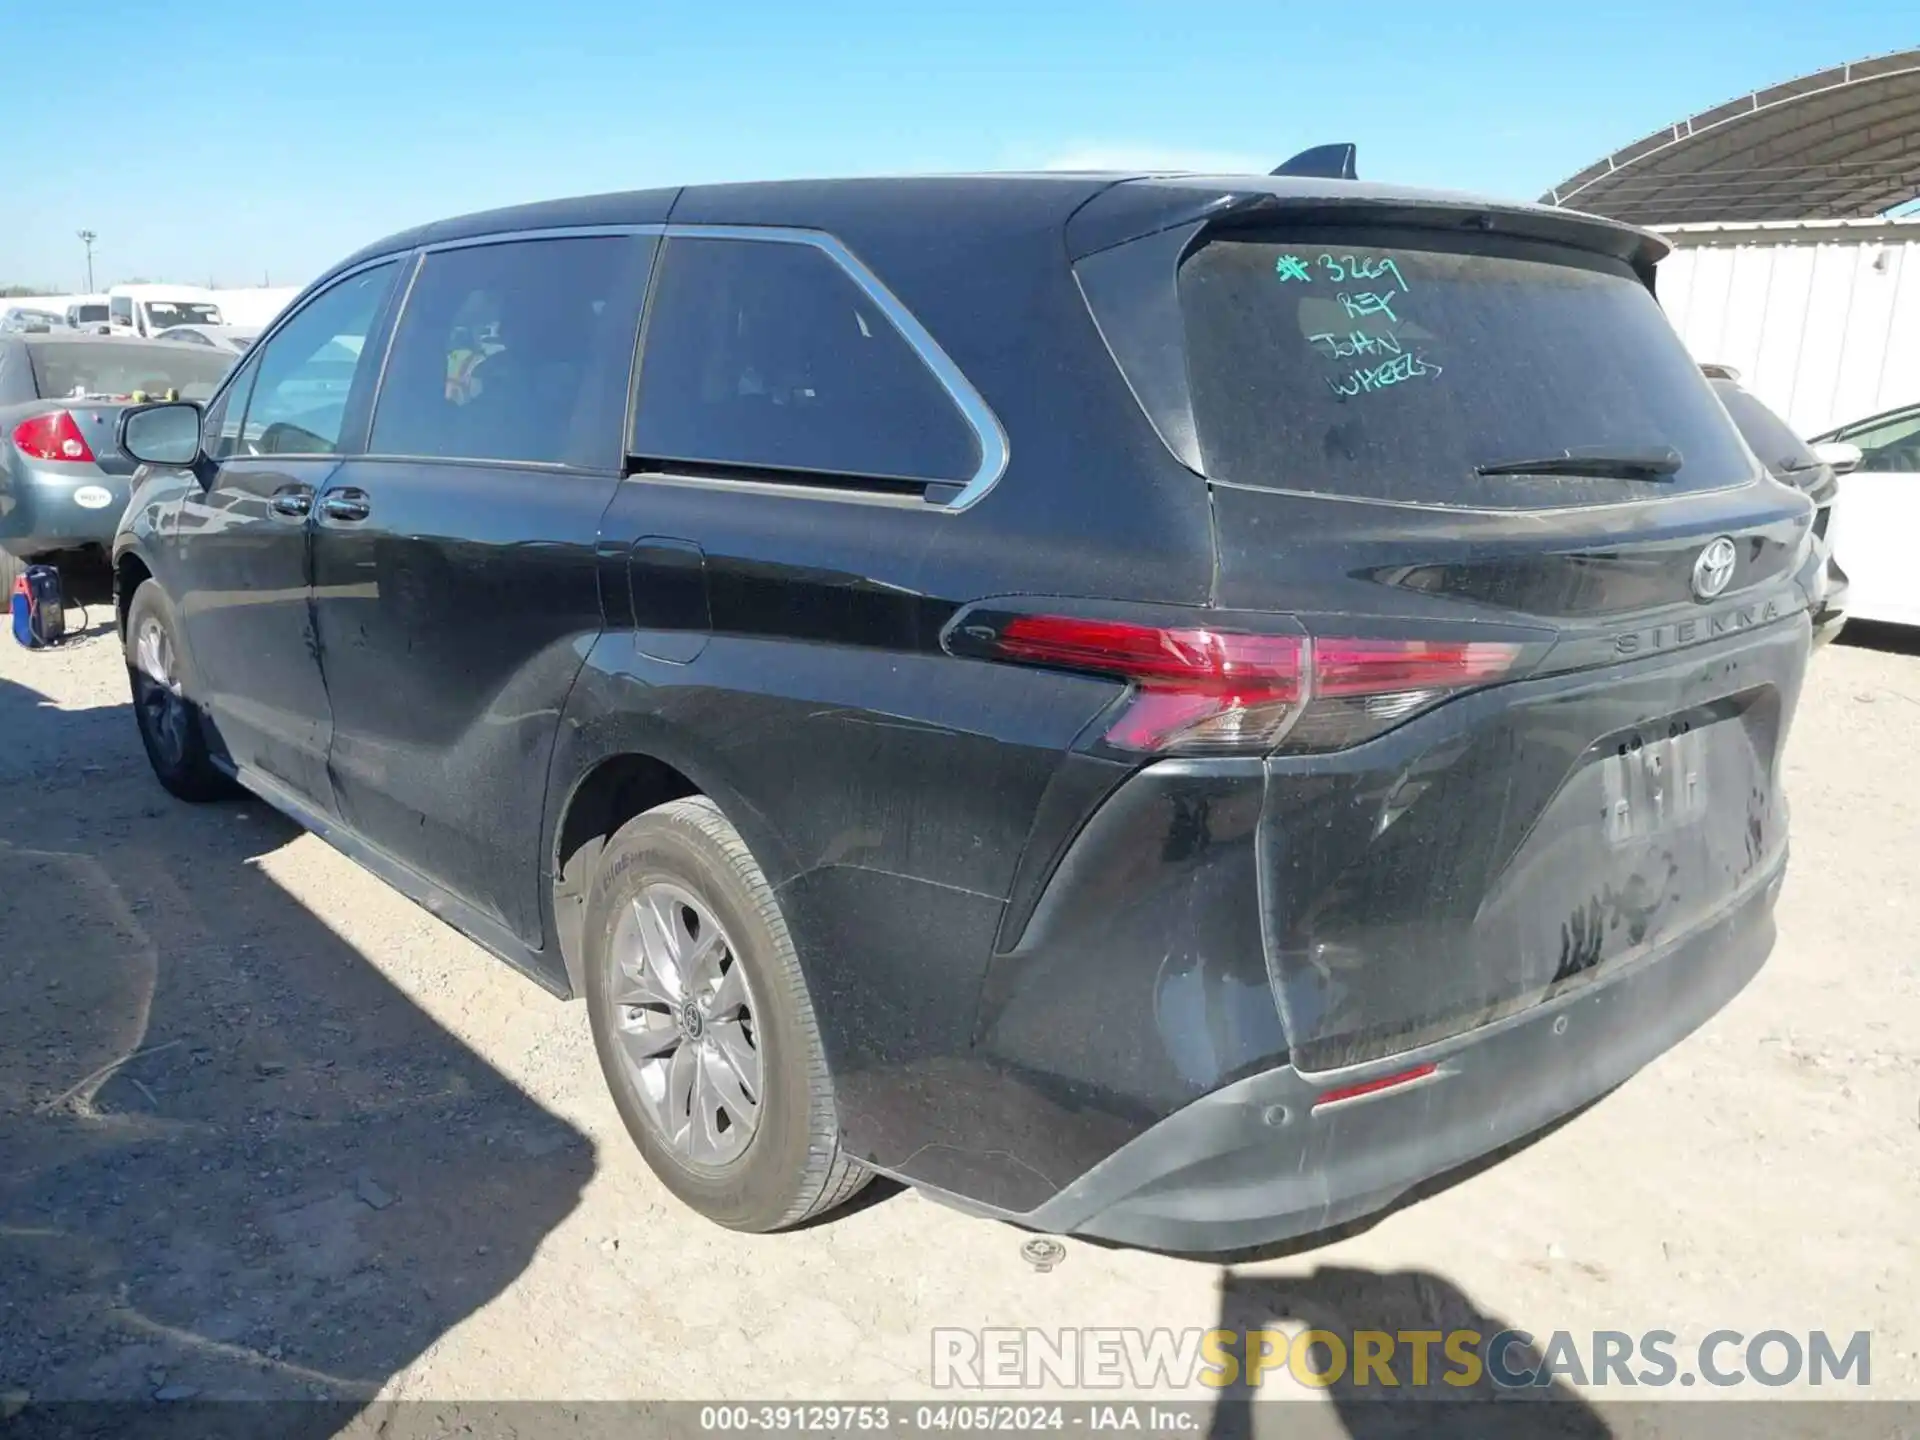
x: 1454, y: 1398
x: 239, y: 1163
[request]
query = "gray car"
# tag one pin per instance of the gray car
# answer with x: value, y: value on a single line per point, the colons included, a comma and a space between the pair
x: 63, y: 480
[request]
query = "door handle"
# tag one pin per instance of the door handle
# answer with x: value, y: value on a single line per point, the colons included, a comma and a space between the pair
x: 292, y: 501
x: 345, y: 503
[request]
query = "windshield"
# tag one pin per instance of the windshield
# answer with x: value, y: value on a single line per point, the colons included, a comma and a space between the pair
x: 1388, y: 365
x: 78, y: 371
x: 164, y: 313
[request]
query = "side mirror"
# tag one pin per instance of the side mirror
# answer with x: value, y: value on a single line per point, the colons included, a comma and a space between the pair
x: 164, y: 434
x: 1838, y: 456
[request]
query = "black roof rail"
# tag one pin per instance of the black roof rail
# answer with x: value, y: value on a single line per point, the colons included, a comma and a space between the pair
x: 1322, y: 162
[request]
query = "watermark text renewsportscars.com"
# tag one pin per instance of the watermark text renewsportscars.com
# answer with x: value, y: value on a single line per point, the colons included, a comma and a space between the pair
x: 1140, y: 1360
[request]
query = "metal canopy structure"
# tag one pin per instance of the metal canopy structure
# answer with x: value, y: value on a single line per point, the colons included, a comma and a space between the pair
x: 1840, y: 144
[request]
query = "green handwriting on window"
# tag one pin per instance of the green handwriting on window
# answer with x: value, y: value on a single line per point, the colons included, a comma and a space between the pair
x: 1340, y: 269
x: 1386, y: 359
x: 1366, y: 379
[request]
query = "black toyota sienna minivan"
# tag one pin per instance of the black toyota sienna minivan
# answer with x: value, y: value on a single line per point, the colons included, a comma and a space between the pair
x: 1170, y: 708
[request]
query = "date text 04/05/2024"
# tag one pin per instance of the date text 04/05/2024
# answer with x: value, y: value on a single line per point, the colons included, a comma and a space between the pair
x: 974, y: 1417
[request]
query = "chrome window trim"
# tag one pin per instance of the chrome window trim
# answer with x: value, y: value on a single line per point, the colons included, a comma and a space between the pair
x: 995, y: 450
x: 797, y: 490
x: 553, y: 232
x: 543, y: 467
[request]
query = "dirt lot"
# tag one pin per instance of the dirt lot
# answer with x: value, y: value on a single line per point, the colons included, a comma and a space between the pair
x: 351, y: 1155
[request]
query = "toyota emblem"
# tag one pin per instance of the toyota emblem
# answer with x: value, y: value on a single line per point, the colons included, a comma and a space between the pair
x: 1713, y: 568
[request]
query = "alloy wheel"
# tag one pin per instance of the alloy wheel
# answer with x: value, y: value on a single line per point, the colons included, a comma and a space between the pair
x: 161, y: 701
x: 685, y: 1025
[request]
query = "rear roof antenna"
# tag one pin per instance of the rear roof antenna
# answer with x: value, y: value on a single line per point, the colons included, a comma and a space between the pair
x: 1322, y: 162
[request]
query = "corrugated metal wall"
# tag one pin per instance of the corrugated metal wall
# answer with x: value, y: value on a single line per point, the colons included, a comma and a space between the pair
x: 1822, y: 320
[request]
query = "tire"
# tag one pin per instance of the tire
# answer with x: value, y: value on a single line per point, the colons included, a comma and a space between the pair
x: 171, y: 726
x: 660, y: 870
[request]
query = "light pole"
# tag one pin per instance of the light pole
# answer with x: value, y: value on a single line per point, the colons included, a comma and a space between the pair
x: 87, y: 237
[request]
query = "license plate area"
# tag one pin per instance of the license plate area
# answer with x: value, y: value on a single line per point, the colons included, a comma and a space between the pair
x: 1655, y: 783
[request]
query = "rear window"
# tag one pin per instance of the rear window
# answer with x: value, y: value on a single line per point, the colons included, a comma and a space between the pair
x: 1767, y: 435
x: 163, y: 314
x: 77, y: 371
x: 88, y: 314
x: 1387, y: 365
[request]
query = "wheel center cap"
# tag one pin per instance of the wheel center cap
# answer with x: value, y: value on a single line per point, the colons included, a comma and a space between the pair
x: 692, y: 1022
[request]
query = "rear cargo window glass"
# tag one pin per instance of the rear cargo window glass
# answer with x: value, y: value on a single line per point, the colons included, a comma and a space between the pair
x: 768, y: 355
x: 75, y: 371
x: 1389, y: 364
x: 518, y: 351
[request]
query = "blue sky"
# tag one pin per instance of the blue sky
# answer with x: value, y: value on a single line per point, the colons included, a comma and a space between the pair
x: 235, y: 139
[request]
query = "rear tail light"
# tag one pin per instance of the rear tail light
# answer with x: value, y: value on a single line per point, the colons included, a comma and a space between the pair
x: 53, y: 436
x: 1209, y: 691
x: 1362, y: 687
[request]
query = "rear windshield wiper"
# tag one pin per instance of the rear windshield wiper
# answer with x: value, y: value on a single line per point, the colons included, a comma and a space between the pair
x: 1656, y: 462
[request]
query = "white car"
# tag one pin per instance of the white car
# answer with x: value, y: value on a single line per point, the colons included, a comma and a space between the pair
x: 232, y: 338
x: 1879, y: 512
x: 149, y: 309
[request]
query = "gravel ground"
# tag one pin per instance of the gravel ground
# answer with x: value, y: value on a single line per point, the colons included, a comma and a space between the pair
x: 352, y: 1156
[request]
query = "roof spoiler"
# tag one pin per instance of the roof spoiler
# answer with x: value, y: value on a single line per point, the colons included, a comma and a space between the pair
x: 1322, y: 162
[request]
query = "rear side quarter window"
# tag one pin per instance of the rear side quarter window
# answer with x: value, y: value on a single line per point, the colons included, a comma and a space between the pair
x: 765, y: 355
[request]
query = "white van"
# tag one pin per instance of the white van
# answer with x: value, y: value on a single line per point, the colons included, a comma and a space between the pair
x: 149, y: 309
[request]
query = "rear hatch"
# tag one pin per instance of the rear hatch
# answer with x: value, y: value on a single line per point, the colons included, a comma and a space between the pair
x: 1434, y: 423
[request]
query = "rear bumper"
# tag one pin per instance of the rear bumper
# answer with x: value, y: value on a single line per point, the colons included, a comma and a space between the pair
x: 40, y: 512
x: 1220, y: 928
x: 1255, y: 1162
